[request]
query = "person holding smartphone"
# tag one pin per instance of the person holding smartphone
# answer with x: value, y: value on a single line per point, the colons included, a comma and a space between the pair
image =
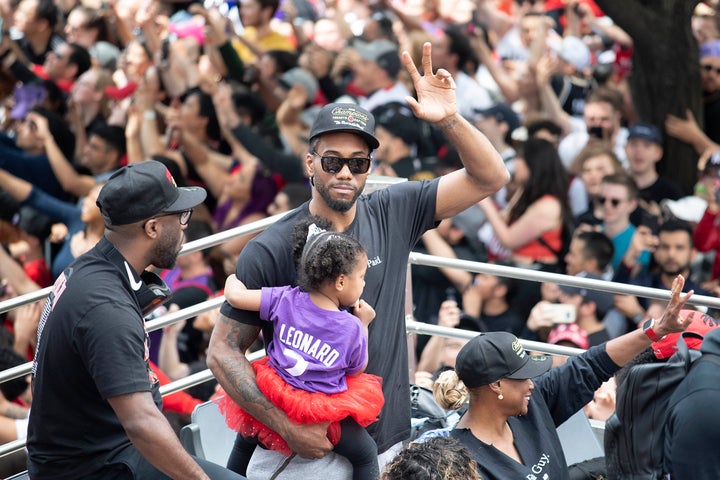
x: 601, y: 123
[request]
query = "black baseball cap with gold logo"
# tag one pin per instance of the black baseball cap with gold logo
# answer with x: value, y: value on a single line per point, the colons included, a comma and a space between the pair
x: 492, y: 356
x: 345, y: 117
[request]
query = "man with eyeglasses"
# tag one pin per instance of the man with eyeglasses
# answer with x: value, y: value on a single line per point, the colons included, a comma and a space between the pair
x: 97, y: 406
x: 388, y: 223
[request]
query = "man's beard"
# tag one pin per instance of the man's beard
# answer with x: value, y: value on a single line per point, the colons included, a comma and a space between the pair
x: 677, y: 271
x: 341, y: 206
x: 165, y: 252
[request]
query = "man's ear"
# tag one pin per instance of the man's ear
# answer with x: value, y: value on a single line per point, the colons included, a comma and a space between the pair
x: 309, y: 165
x: 151, y: 228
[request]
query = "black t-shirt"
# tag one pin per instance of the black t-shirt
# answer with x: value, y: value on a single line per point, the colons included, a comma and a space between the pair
x: 388, y: 223
x: 508, y: 321
x: 598, y: 338
x: 92, y: 346
x: 662, y: 188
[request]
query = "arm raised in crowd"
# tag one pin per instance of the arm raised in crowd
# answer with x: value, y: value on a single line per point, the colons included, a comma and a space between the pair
x: 289, y: 123
x: 132, y: 135
x: 289, y: 167
x: 144, y: 98
x: 540, y: 217
x: 549, y: 102
x: 18, y: 188
x: 218, y: 46
x: 484, y: 171
x: 15, y: 275
x: 507, y: 84
x: 71, y: 181
x: 212, y: 174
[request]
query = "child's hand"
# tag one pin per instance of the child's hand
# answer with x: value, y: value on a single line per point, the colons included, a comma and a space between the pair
x: 363, y: 311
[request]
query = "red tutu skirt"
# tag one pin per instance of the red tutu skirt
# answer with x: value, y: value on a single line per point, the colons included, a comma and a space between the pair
x: 362, y: 401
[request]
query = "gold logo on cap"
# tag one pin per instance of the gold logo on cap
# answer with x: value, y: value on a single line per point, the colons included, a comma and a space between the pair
x: 349, y: 116
x: 518, y: 349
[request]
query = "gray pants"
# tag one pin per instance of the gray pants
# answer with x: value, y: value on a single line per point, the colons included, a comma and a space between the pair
x: 265, y: 463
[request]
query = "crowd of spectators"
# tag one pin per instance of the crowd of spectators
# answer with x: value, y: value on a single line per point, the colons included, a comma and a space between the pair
x: 224, y: 93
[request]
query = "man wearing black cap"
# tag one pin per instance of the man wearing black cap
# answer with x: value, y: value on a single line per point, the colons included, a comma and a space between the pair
x: 644, y: 150
x: 97, y: 406
x: 388, y: 223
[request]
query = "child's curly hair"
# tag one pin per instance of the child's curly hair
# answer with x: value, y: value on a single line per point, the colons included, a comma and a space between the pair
x: 324, y: 256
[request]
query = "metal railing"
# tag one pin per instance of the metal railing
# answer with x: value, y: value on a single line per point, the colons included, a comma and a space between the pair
x: 411, y: 326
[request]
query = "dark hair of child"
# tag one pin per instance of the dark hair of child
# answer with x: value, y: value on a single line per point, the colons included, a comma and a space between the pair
x: 327, y: 255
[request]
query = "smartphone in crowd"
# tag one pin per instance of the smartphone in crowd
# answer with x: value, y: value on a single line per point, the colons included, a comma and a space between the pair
x: 596, y: 132
x: 562, y: 312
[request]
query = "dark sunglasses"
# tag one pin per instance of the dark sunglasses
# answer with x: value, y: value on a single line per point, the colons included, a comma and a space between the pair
x: 709, y: 68
x: 333, y: 165
x: 613, y: 201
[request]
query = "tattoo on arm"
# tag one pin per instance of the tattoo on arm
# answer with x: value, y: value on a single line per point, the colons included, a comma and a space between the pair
x: 238, y: 372
x: 447, y: 125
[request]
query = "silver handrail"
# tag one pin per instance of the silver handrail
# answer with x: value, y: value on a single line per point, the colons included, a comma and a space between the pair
x: 560, y: 279
x: 205, y: 375
x: 411, y: 326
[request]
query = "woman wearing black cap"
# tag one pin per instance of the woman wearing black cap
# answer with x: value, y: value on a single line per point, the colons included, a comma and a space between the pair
x: 510, y: 424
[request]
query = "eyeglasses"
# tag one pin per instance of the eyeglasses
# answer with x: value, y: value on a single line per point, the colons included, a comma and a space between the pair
x: 710, y: 68
x: 184, y: 216
x: 613, y: 201
x: 333, y: 165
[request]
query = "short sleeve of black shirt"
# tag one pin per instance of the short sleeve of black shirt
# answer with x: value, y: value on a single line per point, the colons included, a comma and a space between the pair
x: 111, y: 340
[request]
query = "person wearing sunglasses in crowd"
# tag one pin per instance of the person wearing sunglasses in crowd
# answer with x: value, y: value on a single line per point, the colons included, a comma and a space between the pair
x: 91, y: 371
x: 388, y: 222
x: 616, y: 200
